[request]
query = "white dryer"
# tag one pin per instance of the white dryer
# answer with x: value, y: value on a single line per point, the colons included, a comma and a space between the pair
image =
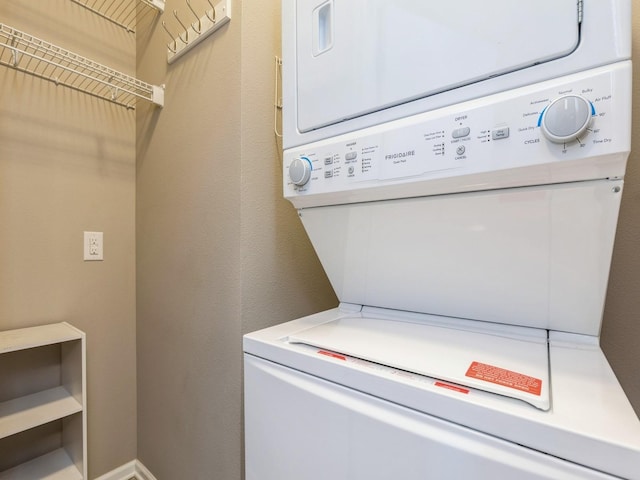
x: 458, y: 169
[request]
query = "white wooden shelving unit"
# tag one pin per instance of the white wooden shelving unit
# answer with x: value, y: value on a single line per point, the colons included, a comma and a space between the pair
x: 43, y: 416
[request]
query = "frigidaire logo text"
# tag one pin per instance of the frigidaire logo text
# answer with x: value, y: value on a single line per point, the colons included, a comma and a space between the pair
x: 393, y: 156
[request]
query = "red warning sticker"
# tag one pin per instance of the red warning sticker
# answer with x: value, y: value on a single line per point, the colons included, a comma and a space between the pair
x: 332, y: 354
x: 506, y: 378
x: 455, y: 388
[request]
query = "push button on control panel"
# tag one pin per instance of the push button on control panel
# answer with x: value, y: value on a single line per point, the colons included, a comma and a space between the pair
x: 500, y: 133
x: 351, y: 156
x: 460, y: 132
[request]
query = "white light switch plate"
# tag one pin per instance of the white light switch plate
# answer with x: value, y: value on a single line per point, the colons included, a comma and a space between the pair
x: 93, y: 246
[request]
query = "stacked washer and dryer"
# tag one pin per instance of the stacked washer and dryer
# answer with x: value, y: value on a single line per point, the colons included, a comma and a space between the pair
x: 458, y: 167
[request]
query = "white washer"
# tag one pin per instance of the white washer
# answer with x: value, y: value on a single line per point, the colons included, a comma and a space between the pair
x: 313, y: 413
x: 467, y: 229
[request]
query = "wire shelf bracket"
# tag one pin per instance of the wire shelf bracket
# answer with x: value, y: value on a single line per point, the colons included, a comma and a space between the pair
x: 121, y: 12
x: 213, y: 18
x: 31, y: 55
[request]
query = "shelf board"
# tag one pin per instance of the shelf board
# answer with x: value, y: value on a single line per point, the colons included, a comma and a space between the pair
x: 55, y: 465
x: 26, y: 412
x: 24, y: 338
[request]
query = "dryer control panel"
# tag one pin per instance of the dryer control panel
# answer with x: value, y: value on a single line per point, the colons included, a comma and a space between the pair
x: 569, y: 129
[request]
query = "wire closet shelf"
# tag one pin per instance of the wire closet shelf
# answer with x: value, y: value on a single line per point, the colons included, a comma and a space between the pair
x: 123, y: 13
x: 29, y: 54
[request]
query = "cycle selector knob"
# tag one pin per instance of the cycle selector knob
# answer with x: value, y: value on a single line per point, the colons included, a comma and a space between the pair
x: 566, y: 118
x: 300, y: 171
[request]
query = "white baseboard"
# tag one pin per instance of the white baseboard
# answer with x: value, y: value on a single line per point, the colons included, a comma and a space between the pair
x: 142, y: 473
x: 133, y: 469
x: 124, y: 472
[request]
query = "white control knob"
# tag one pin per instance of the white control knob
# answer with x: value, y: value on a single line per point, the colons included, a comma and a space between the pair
x: 300, y: 171
x: 566, y: 118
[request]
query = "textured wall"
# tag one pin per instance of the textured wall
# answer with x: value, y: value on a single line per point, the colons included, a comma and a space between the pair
x: 67, y: 164
x: 188, y: 257
x: 281, y: 277
x: 219, y: 251
x: 621, y: 327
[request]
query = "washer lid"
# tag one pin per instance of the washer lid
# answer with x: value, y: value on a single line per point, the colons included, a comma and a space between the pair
x: 501, y: 359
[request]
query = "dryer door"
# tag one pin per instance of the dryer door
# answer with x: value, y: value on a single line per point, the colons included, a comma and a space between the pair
x: 360, y: 56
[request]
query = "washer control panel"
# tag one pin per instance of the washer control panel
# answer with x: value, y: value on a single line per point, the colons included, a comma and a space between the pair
x: 560, y: 128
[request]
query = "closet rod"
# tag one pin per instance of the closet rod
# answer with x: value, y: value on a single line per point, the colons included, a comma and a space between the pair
x: 121, y: 12
x: 29, y: 54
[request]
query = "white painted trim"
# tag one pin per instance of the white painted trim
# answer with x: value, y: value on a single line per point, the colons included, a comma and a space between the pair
x: 133, y: 469
x: 124, y: 472
x: 142, y: 473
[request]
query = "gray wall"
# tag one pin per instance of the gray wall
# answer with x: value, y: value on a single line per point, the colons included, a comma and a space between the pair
x: 620, y: 338
x: 67, y: 164
x: 219, y: 251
